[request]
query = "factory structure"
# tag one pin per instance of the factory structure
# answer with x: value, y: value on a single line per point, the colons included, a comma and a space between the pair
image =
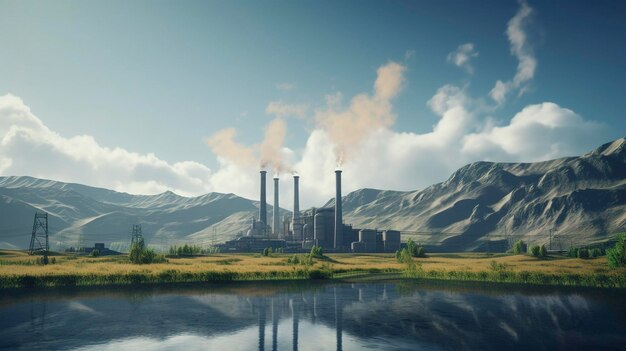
x: 302, y: 230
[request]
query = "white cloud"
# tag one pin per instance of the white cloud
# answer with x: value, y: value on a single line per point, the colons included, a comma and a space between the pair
x: 538, y: 132
x: 28, y: 147
x: 521, y: 49
x: 462, y: 56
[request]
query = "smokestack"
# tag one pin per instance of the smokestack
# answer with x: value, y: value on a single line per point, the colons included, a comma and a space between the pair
x: 296, y: 198
x: 338, y: 211
x: 263, y: 205
x: 276, y: 209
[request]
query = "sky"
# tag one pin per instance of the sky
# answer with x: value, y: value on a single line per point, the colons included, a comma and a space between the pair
x: 197, y: 96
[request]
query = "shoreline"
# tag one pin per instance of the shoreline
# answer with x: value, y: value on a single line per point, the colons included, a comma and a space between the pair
x: 604, y: 281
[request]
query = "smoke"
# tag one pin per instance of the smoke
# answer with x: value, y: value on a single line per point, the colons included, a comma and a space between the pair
x: 268, y: 154
x: 348, y: 127
x: 272, y: 145
x: 223, y: 145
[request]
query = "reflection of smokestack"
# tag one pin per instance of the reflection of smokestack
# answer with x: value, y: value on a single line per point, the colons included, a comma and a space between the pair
x: 338, y: 211
x: 263, y: 206
x: 296, y: 198
x: 276, y: 209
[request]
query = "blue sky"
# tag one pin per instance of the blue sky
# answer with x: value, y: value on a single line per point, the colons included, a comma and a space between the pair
x: 162, y: 77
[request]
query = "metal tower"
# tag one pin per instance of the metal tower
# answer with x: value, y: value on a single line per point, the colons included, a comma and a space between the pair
x: 136, y: 236
x: 39, y: 240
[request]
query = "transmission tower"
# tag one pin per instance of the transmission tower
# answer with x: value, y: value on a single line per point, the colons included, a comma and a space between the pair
x: 39, y: 239
x: 136, y: 236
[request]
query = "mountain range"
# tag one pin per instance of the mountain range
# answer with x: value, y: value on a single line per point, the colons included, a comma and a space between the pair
x: 579, y: 200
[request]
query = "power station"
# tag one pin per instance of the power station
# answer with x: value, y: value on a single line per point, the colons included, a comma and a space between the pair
x: 302, y: 230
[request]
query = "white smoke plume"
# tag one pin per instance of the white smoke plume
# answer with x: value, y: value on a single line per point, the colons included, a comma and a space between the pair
x: 269, y: 154
x: 347, y: 128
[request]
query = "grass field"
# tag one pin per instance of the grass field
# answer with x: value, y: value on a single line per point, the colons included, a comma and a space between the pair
x: 17, y: 269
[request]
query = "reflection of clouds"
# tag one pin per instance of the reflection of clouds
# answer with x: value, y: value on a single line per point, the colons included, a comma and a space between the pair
x: 318, y: 337
x: 78, y: 306
x: 367, y: 316
x: 507, y: 328
x: 232, y: 306
x: 579, y: 302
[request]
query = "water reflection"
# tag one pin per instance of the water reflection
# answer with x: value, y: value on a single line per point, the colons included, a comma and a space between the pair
x: 391, y: 315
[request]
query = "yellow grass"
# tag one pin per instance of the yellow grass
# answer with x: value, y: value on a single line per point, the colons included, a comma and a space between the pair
x: 16, y: 264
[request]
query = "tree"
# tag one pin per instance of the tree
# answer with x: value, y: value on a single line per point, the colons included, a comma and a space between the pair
x: 404, y: 256
x: 583, y: 253
x: 519, y: 247
x: 534, y: 250
x: 139, y: 254
x: 317, y: 252
x: 617, y: 254
x: 136, y: 251
x: 414, y: 249
x: 543, y: 252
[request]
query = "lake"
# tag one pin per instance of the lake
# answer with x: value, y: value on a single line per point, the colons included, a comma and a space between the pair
x: 390, y: 315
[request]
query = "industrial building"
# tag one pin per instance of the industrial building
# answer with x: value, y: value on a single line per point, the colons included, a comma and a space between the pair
x: 318, y: 226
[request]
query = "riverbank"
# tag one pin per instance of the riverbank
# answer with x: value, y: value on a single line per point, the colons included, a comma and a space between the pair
x: 18, y: 270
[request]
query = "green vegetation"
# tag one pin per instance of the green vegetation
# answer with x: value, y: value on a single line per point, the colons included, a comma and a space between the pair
x: 94, y: 253
x: 305, y: 260
x: 616, y: 255
x: 501, y: 274
x: 404, y: 256
x: 140, y: 254
x: 191, y: 250
x: 585, y: 252
x: 317, y: 252
x: 519, y: 248
x: 411, y: 250
x: 538, y: 251
x: 266, y: 251
x: 414, y: 249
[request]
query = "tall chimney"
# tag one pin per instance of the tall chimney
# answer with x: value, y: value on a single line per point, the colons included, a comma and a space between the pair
x: 276, y: 209
x: 296, y: 198
x: 338, y: 211
x: 263, y: 205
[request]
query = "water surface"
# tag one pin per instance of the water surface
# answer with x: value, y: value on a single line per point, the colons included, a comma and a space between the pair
x: 393, y: 315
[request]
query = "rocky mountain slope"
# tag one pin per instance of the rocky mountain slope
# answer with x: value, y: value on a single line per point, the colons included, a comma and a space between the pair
x: 580, y: 199
x: 82, y: 213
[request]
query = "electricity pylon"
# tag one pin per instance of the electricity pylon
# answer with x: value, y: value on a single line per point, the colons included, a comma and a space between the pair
x: 39, y: 239
x: 136, y: 236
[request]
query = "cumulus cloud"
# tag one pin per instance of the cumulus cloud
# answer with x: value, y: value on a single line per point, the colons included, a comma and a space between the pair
x: 538, y: 132
x: 282, y: 109
x: 522, y: 50
x: 462, y: 56
x: 28, y: 147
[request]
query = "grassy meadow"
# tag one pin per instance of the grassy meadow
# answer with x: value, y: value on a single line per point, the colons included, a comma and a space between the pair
x: 18, y: 269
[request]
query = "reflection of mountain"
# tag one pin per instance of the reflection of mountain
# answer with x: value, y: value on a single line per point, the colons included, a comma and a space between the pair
x: 392, y: 315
